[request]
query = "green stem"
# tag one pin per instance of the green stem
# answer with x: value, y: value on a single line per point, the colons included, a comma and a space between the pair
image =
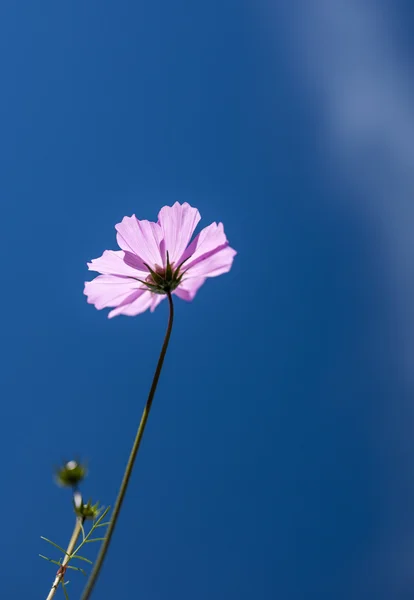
x: 130, y: 465
x: 67, y: 557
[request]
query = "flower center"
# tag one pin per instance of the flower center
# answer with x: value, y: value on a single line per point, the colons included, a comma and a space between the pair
x: 163, y: 280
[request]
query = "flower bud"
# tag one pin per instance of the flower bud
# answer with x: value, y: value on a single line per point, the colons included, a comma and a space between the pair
x: 71, y: 474
x: 86, y: 511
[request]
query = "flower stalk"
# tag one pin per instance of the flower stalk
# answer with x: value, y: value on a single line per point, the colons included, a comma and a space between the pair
x: 130, y: 465
x: 69, y: 551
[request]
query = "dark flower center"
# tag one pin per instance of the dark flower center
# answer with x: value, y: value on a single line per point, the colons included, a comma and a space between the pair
x: 163, y: 280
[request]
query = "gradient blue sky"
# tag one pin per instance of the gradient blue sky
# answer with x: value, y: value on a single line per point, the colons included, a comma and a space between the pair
x: 269, y: 457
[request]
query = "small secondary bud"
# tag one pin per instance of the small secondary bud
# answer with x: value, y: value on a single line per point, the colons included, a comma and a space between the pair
x: 87, y: 511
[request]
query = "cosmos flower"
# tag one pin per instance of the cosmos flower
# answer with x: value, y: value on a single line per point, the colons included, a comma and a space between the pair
x: 157, y: 259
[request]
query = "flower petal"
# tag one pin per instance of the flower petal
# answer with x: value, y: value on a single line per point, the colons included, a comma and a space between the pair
x: 213, y: 264
x: 119, y: 263
x: 207, y: 241
x: 135, y: 262
x: 110, y: 290
x: 156, y: 300
x: 188, y: 288
x: 143, y: 238
x: 139, y: 305
x: 178, y: 223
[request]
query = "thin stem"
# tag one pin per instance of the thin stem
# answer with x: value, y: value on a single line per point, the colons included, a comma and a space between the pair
x: 69, y: 551
x: 130, y: 465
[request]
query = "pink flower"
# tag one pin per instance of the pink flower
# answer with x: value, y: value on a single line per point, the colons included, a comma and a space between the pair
x: 156, y: 259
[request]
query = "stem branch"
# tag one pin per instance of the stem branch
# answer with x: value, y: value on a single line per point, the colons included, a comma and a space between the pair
x: 66, y: 558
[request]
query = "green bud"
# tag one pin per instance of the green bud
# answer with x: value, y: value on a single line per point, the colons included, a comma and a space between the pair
x: 71, y: 474
x: 87, y: 511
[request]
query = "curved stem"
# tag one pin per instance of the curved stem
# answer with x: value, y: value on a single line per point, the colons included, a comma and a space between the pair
x: 130, y: 465
x: 66, y: 559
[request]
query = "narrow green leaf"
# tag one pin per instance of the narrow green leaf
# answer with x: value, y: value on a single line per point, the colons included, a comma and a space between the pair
x: 105, y: 512
x: 76, y: 569
x: 95, y: 540
x: 102, y: 524
x: 55, y: 562
x: 55, y: 545
x: 64, y: 590
x: 83, y: 558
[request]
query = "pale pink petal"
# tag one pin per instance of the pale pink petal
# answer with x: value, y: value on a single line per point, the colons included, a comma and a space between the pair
x: 156, y: 300
x: 114, y: 263
x: 188, y: 288
x: 110, y: 290
x: 142, y: 238
x: 213, y: 264
x: 208, y: 240
x: 178, y: 223
x: 146, y: 243
x: 137, y: 306
x: 134, y: 261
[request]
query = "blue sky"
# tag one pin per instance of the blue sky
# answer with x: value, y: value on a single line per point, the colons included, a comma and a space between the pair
x: 276, y: 462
